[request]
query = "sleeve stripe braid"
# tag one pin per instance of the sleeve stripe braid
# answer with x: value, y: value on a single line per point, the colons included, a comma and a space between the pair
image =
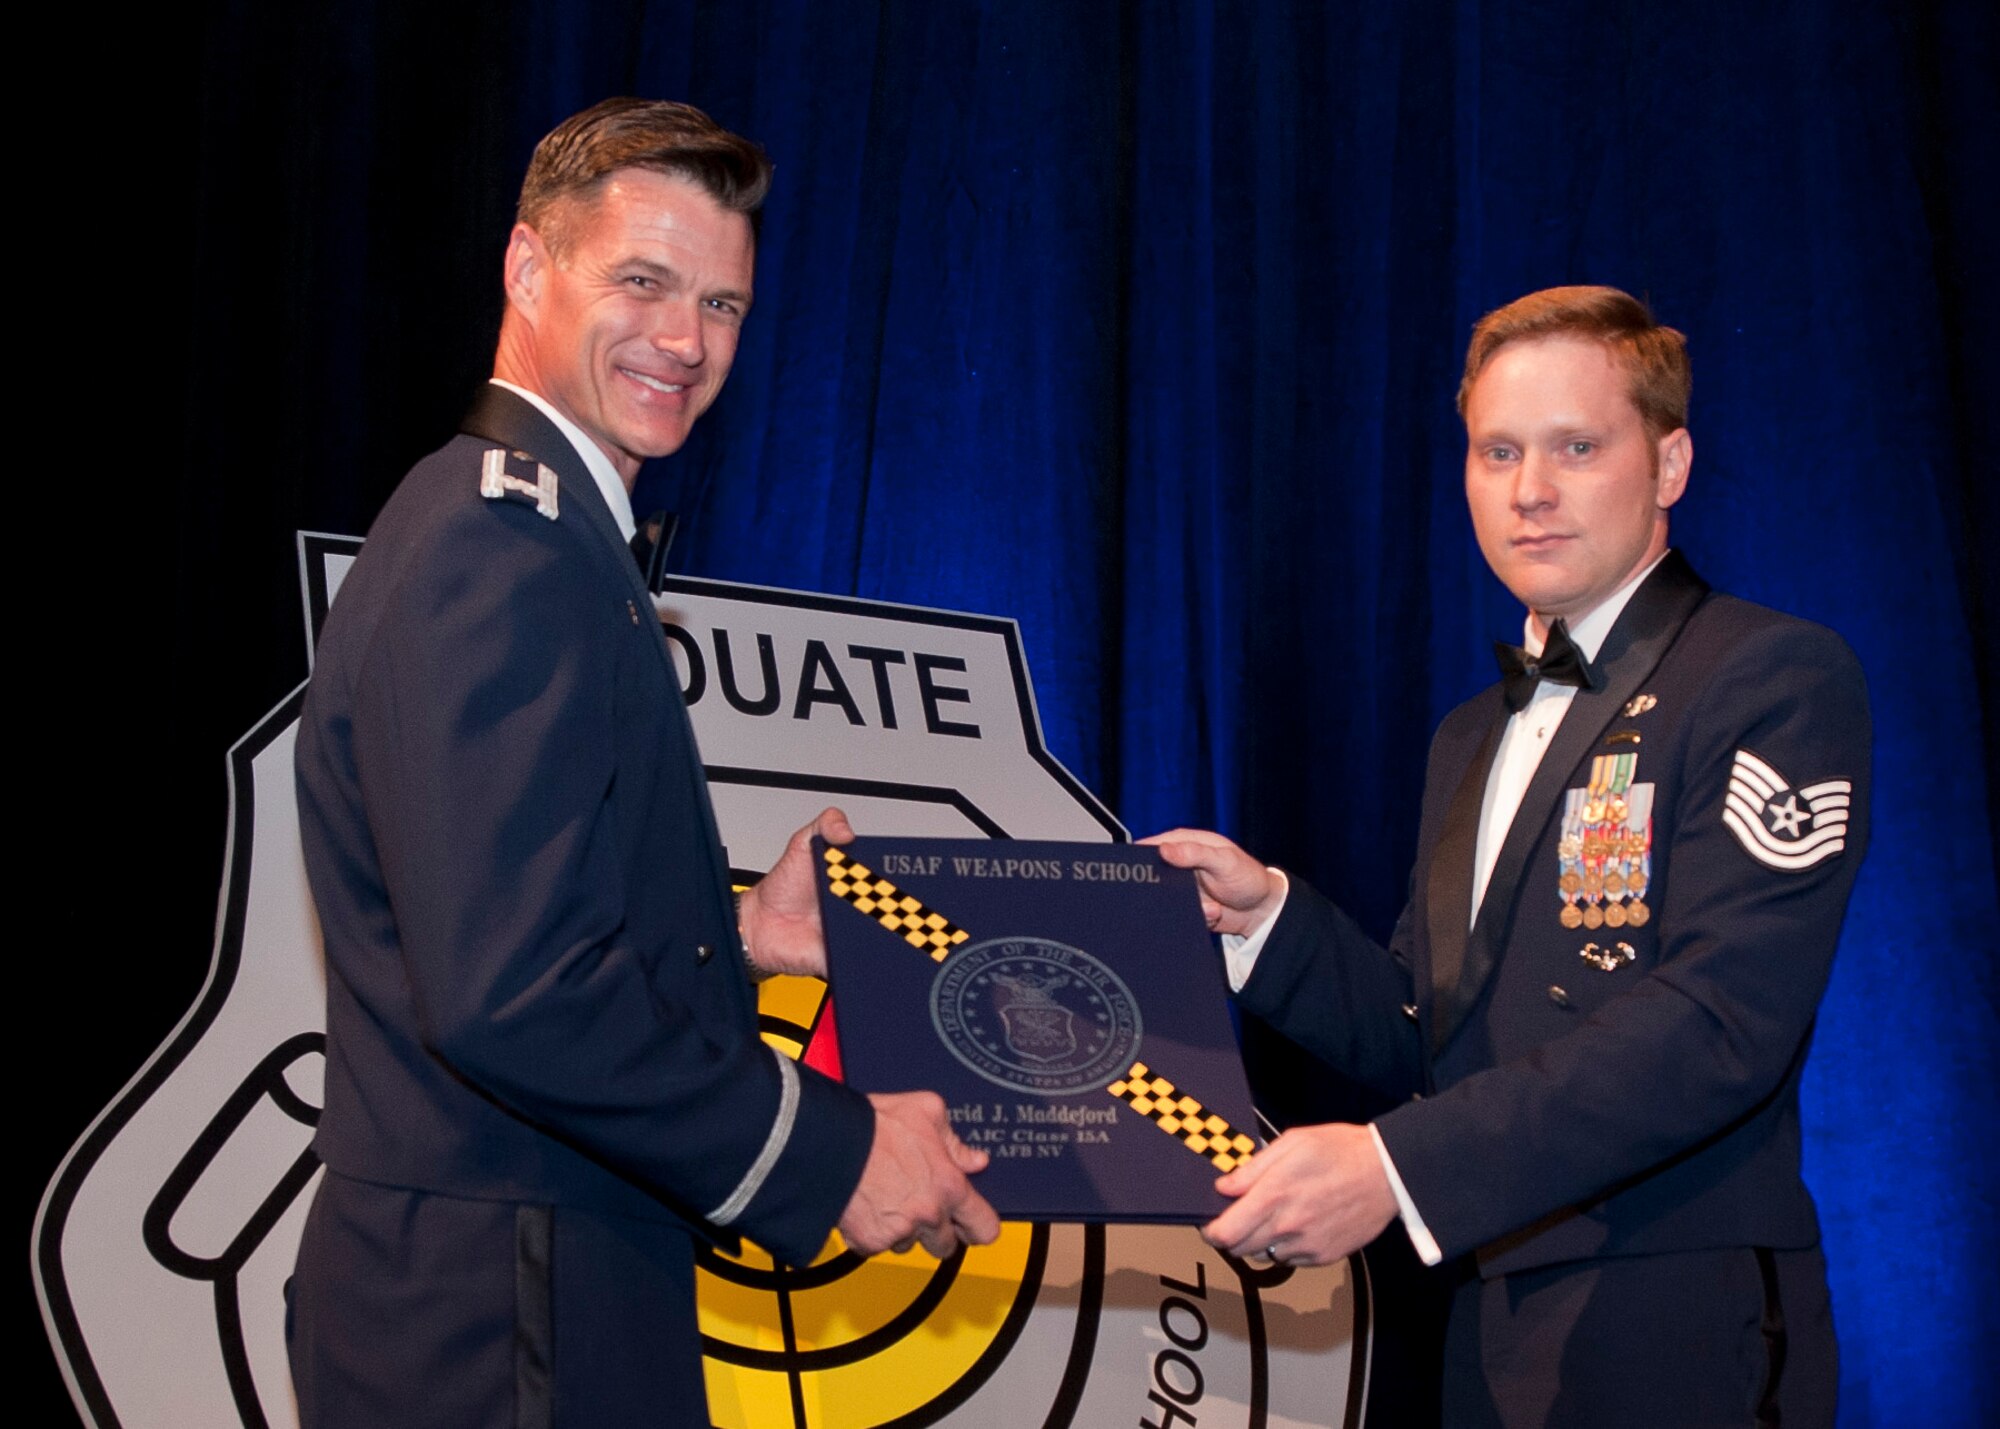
x: 774, y: 1145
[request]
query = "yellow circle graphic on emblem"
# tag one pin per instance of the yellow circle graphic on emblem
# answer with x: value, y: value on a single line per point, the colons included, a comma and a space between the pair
x: 847, y: 1343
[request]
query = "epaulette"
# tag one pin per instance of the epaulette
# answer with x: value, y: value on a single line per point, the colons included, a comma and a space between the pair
x: 497, y: 484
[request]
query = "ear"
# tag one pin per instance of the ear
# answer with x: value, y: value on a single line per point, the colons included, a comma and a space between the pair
x: 1676, y: 456
x: 526, y: 268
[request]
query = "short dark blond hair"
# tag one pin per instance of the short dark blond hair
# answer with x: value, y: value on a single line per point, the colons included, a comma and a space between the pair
x: 1654, y: 356
x: 578, y: 155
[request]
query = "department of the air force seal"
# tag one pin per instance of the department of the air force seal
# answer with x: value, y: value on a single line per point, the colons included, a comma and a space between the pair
x: 1036, y: 1016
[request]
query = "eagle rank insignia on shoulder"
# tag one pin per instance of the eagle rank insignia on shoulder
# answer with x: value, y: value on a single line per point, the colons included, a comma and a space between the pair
x: 496, y: 485
x: 1782, y: 827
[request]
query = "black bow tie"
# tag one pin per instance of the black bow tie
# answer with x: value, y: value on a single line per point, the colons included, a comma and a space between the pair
x: 649, y: 548
x: 1560, y: 663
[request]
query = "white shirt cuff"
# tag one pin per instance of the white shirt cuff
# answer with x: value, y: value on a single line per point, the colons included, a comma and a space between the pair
x: 1240, y: 950
x: 1421, y: 1240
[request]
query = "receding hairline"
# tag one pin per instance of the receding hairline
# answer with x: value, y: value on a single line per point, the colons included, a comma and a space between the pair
x: 576, y: 160
x: 561, y: 215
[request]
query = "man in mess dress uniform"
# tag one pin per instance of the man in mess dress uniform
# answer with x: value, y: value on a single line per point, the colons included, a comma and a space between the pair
x: 1634, y: 856
x: 545, y: 1084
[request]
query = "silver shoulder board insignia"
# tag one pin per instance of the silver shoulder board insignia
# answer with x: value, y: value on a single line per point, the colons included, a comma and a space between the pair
x: 496, y: 485
x: 1782, y: 827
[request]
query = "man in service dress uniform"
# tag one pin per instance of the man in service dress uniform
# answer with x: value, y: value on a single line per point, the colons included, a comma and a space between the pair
x: 544, y: 1078
x: 1634, y: 856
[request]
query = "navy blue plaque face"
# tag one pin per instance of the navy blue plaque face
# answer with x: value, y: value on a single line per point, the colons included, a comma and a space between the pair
x: 1067, y: 1002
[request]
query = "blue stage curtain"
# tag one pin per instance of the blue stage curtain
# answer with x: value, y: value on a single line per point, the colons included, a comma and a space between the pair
x: 1143, y: 325
x: 1140, y: 322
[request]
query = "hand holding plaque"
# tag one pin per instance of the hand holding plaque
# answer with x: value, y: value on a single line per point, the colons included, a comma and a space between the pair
x: 1064, y: 999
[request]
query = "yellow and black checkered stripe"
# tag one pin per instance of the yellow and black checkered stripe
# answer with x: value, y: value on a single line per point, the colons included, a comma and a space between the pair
x: 925, y: 929
x: 1179, y: 1115
x: 930, y: 932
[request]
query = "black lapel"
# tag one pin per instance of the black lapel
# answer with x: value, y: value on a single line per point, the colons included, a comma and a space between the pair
x: 1646, y: 628
x: 498, y: 415
x: 1448, y: 889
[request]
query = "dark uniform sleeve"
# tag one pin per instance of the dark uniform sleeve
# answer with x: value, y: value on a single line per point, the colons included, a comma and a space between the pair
x: 486, y: 743
x: 1329, y: 987
x: 1718, y: 1026
x: 1326, y: 985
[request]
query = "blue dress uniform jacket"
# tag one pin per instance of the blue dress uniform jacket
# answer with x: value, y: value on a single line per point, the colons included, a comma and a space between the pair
x: 1561, y: 1112
x: 544, y: 1076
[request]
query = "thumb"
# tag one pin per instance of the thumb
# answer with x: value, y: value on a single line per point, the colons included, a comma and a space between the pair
x: 1181, y: 853
x: 968, y: 1159
x: 832, y: 825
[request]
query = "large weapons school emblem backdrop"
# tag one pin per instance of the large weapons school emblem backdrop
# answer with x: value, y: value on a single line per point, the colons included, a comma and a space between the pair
x: 162, y: 1245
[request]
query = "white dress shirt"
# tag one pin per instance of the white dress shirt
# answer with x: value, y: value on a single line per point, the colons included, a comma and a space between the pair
x: 609, y: 483
x: 1522, y: 745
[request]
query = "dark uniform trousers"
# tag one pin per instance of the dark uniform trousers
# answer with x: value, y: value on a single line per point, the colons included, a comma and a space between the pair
x: 1600, y: 1127
x: 486, y: 1299
x: 1727, y: 1337
x: 545, y: 1084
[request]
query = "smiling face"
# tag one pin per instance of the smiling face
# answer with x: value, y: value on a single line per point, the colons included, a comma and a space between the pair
x: 630, y: 332
x: 1569, y: 494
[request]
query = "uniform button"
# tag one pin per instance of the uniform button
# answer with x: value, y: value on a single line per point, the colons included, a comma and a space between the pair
x: 1558, y: 996
x: 1410, y: 1011
x: 703, y: 952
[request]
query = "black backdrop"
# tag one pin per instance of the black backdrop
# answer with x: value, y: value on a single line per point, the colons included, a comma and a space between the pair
x: 1136, y: 321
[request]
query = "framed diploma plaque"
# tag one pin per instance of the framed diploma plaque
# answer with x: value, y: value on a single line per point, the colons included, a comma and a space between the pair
x: 1067, y: 1002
